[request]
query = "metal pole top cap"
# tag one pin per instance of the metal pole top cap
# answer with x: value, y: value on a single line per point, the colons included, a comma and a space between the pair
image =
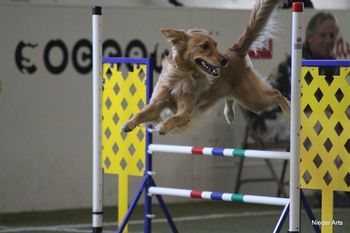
x: 97, y: 10
x: 298, y: 7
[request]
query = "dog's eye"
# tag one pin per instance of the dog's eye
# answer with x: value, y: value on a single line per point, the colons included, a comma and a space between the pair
x: 204, y: 46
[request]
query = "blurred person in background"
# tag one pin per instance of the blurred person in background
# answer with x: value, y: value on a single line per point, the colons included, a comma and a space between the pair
x: 321, y: 35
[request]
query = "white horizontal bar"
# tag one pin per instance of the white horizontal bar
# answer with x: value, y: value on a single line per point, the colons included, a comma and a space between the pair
x: 170, y: 191
x: 265, y: 200
x: 262, y: 154
x: 223, y: 196
x: 227, y: 152
x: 170, y: 149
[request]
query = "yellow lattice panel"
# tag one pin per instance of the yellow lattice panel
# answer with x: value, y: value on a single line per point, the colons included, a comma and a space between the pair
x: 325, y: 120
x: 325, y: 131
x: 123, y: 96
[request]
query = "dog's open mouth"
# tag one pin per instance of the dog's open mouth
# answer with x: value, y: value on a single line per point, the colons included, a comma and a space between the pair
x: 208, y: 68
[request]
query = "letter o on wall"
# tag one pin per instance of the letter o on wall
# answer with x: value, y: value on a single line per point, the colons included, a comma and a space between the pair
x: 55, y: 69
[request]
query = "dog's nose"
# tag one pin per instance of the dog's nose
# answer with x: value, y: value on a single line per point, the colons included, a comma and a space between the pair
x: 223, y: 61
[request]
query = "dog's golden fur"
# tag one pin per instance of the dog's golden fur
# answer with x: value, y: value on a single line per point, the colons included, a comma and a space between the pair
x: 196, y: 75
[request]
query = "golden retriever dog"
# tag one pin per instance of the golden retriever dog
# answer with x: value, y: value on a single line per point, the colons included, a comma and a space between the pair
x: 195, y: 75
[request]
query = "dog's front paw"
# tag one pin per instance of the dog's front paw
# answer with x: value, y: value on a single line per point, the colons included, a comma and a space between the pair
x: 127, y: 127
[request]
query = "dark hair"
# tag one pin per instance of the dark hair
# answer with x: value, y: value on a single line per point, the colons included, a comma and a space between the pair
x: 310, y: 29
x: 316, y: 20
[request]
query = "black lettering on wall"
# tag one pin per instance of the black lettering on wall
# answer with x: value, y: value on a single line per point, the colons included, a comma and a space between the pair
x: 82, y: 56
x: 24, y: 64
x: 55, y: 69
x: 111, y: 48
x: 135, y: 48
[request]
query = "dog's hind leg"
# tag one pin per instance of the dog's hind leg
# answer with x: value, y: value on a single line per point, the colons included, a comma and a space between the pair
x: 229, y: 110
x: 274, y: 96
x: 283, y: 103
x: 263, y: 100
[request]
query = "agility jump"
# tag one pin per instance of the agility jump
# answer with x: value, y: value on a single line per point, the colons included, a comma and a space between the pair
x: 144, y: 167
x: 294, y: 203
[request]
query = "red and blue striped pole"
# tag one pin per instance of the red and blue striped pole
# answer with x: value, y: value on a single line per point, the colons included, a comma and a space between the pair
x: 216, y: 151
x: 218, y: 196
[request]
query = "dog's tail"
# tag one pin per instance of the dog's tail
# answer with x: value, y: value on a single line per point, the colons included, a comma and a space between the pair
x: 259, y: 27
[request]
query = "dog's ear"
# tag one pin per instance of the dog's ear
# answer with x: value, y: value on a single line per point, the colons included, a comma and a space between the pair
x: 174, y: 35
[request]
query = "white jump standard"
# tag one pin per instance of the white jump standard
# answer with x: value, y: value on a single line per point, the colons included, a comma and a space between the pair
x: 294, y: 186
x: 97, y: 175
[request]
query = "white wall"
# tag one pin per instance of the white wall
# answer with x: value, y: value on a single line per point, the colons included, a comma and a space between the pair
x: 218, y: 4
x: 45, y: 118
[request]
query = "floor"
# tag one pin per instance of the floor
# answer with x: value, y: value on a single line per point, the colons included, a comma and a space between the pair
x: 195, y: 217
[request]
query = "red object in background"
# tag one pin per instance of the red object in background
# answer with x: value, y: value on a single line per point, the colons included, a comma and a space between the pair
x: 265, y: 53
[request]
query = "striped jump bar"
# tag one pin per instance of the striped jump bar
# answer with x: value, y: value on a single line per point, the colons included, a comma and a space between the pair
x: 231, y: 197
x: 214, y: 151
